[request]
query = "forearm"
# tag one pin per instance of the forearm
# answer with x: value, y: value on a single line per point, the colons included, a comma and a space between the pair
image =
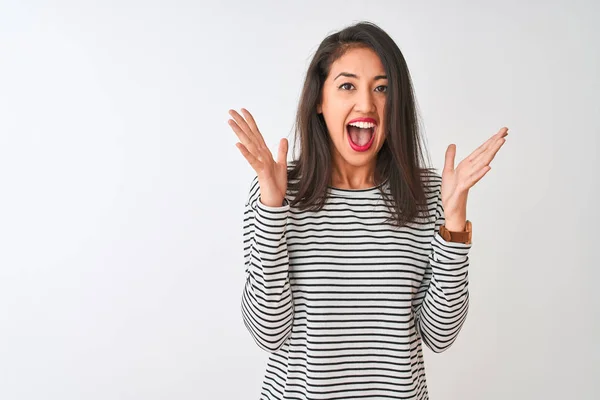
x: 445, y: 305
x: 267, y: 298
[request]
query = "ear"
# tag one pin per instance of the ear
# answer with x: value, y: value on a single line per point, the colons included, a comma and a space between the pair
x: 319, y: 109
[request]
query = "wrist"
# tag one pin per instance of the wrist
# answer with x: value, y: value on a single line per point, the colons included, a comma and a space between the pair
x: 456, y: 220
x: 272, y: 202
x: 456, y: 224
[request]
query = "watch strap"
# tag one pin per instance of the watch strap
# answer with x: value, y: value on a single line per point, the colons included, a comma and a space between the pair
x: 458, y: 237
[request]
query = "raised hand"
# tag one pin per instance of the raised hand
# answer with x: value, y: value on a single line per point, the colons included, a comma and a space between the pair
x: 272, y: 175
x: 456, y: 182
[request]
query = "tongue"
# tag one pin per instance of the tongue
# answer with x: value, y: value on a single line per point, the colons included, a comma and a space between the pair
x: 359, y: 136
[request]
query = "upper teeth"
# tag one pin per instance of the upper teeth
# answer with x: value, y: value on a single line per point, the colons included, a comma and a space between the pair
x: 362, y: 125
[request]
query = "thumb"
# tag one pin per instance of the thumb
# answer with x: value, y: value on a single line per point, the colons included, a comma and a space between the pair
x: 282, y: 154
x: 450, y: 155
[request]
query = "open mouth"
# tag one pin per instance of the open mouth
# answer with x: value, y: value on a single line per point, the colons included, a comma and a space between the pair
x: 361, y: 134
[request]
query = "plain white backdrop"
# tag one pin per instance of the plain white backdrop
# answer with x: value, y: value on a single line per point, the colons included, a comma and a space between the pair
x: 122, y: 192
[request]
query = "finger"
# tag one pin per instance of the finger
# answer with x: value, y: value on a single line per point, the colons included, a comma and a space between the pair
x: 282, y: 154
x: 450, y: 157
x: 500, y: 134
x: 253, y: 126
x: 253, y: 161
x: 481, y: 149
x: 241, y: 122
x: 243, y: 137
x: 486, y: 157
x: 476, y: 177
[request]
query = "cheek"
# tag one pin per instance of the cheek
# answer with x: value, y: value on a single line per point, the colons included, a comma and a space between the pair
x: 335, y: 120
x: 383, y: 127
x: 381, y: 109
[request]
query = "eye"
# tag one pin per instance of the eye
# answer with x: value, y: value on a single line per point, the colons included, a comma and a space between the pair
x: 382, y: 88
x: 346, y: 86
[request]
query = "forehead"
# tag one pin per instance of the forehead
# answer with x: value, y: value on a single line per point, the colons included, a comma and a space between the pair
x: 361, y: 61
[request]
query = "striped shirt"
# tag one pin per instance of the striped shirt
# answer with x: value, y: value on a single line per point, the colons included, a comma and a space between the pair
x: 343, y: 300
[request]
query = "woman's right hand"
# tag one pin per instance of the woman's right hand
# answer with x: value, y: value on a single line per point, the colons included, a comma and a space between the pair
x: 272, y: 176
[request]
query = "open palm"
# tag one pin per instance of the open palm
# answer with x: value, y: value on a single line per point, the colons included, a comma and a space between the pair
x: 456, y: 182
x: 272, y: 175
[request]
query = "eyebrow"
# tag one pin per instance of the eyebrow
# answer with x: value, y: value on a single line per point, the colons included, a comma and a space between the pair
x: 349, y: 75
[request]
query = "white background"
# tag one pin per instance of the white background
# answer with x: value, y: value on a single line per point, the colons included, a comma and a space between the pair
x: 122, y: 192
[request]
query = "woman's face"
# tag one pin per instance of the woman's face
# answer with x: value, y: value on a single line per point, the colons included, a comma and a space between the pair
x: 353, y: 106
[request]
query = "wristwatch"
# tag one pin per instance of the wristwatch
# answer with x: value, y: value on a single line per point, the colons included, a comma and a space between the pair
x: 458, y: 237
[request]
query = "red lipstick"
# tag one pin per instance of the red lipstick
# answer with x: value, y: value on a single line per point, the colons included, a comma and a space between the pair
x: 371, y: 120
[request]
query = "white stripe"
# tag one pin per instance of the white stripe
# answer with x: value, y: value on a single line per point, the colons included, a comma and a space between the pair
x: 343, y: 301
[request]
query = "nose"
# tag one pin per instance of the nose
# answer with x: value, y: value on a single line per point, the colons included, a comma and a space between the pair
x: 365, y: 102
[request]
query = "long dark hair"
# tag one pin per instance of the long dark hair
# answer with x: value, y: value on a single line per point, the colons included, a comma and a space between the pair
x: 401, y: 159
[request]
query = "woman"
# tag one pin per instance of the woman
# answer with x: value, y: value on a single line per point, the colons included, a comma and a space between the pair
x: 356, y: 253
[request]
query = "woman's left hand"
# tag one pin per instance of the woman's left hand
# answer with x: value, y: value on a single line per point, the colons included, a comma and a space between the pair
x: 456, y: 182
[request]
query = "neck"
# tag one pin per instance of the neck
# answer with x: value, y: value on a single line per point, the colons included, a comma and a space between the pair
x: 346, y: 176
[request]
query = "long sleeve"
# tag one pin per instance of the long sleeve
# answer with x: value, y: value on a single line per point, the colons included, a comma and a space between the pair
x: 266, y: 306
x: 442, y: 302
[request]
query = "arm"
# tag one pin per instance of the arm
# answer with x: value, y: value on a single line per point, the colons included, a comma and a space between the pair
x: 442, y: 302
x: 267, y: 307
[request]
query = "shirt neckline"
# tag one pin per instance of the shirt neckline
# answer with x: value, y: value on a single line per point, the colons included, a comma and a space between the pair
x: 355, y: 192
